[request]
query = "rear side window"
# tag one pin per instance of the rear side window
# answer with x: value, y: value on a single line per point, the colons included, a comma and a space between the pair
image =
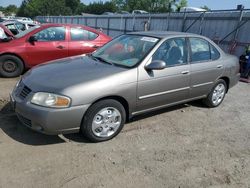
x: 51, y: 34
x: 215, y: 54
x: 200, y: 50
x: 79, y: 34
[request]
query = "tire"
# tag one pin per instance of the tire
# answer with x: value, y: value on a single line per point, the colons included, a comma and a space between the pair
x: 103, y: 120
x: 11, y: 66
x: 217, y: 94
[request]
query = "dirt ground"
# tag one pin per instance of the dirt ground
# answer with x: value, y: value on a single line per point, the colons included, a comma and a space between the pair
x: 184, y: 146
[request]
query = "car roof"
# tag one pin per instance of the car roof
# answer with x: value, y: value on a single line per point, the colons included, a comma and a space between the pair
x: 164, y: 34
x: 71, y: 25
x: 9, y: 22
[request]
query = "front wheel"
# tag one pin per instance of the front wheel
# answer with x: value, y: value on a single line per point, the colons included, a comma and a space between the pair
x: 217, y: 95
x: 103, y: 120
x: 10, y: 66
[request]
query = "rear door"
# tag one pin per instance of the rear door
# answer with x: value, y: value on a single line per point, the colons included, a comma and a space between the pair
x: 82, y: 41
x: 205, y: 66
x: 51, y: 44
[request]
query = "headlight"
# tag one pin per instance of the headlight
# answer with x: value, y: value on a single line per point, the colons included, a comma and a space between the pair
x: 50, y: 100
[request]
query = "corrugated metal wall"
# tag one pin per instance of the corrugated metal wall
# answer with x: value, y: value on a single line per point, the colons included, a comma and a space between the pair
x: 215, y: 25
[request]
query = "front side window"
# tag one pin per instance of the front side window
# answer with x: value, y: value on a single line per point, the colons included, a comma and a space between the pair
x: 172, y: 51
x: 79, y: 34
x: 126, y: 50
x: 200, y: 50
x: 51, y: 34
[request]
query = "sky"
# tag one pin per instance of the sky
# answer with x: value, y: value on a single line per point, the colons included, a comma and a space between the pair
x: 212, y: 4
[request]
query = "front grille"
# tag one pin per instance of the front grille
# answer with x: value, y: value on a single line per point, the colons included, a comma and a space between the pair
x: 24, y: 120
x: 25, y: 92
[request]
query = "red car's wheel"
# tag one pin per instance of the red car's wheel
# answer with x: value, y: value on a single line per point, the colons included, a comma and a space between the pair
x: 10, y: 66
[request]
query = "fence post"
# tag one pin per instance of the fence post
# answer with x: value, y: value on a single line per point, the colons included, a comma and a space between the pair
x: 95, y: 22
x: 238, y: 24
x: 168, y: 21
x: 85, y: 21
x: 184, y: 21
x: 201, y: 24
x: 125, y: 26
x: 133, y: 23
x: 108, y: 26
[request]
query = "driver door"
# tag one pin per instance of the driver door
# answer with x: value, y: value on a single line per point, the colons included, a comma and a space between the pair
x: 168, y: 86
x: 51, y: 44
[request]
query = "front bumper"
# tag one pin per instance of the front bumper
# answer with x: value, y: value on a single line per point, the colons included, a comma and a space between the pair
x: 48, y: 120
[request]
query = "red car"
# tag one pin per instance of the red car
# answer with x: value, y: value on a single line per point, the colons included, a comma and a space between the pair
x: 47, y: 42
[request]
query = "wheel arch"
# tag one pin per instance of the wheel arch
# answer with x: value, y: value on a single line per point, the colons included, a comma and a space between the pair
x: 227, y: 80
x: 13, y: 54
x: 121, y: 100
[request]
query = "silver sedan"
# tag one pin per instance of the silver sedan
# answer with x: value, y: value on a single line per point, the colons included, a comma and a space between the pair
x: 133, y: 74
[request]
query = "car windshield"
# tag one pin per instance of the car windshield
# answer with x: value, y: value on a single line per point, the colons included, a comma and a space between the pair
x: 126, y: 50
x: 21, y: 34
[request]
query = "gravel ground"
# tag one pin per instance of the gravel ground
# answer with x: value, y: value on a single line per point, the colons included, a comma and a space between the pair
x: 183, y: 146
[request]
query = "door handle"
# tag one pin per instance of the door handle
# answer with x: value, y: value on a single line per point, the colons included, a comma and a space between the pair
x: 185, y: 72
x: 219, y: 66
x: 60, y: 47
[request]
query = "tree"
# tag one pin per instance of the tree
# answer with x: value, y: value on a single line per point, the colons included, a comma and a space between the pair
x: 120, y: 4
x: 80, y: 9
x: 9, y: 10
x: 156, y: 6
x: 100, y: 7
x: 181, y: 4
x: 73, y: 5
x: 32, y: 8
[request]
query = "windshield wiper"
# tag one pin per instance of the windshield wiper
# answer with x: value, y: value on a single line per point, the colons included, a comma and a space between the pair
x: 101, y: 59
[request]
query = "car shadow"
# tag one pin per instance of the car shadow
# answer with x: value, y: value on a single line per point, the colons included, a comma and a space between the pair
x: 12, y: 127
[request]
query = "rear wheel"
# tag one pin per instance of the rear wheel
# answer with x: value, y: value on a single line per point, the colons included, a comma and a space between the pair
x: 217, y: 95
x: 10, y: 66
x: 103, y: 120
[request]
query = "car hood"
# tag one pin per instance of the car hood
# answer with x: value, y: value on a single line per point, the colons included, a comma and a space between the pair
x: 66, y: 73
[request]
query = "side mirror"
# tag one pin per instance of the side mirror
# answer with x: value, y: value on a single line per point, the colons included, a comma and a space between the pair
x: 156, y: 65
x: 32, y: 39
